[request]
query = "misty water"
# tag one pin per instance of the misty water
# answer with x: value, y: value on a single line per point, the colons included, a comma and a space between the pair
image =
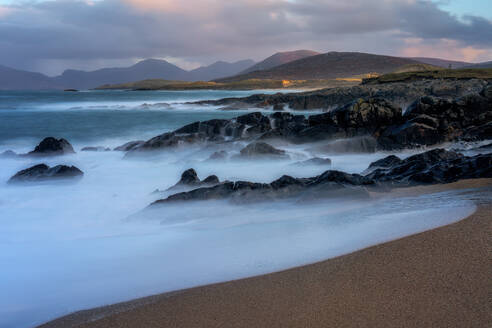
x: 71, y: 246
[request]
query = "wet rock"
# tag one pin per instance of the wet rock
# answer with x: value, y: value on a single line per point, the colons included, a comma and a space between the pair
x: 278, y: 107
x: 210, y: 180
x: 129, y: 145
x: 351, y: 145
x: 96, y: 148
x: 328, y: 184
x: 262, y: 150
x: 434, y: 166
x: 190, y: 179
x: 51, y: 147
x: 8, y: 154
x: 42, y: 172
x: 409, y: 135
x: 314, y: 161
x: 218, y: 155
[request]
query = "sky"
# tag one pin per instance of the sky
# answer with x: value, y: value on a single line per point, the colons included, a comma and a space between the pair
x: 51, y: 36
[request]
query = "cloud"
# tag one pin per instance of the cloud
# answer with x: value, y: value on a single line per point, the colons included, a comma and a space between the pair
x: 36, y: 35
x: 442, y: 49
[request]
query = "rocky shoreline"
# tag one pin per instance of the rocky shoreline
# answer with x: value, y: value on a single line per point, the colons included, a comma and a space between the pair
x: 457, y: 111
x: 431, y: 167
x: 365, y: 118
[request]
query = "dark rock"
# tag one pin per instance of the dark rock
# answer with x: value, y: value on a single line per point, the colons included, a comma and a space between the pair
x: 386, y: 162
x: 51, y: 146
x: 97, y: 148
x: 8, y: 154
x: 434, y: 166
x: 278, y: 107
x: 351, y: 145
x: 262, y: 150
x: 211, y: 180
x: 315, y: 161
x: 129, y: 145
x: 190, y: 179
x: 409, y: 135
x: 43, y: 172
x: 218, y: 155
x: 330, y: 183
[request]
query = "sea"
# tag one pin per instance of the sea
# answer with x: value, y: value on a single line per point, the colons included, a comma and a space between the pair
x: 69, y: 246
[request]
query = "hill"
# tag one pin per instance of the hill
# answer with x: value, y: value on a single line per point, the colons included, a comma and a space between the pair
x: 218, y: 69
x: 443, y: 74
x: 14, y: 79
x: 444, y: 63
x: 329, y: 66
x: 280, y: 58
x: 481, y: 65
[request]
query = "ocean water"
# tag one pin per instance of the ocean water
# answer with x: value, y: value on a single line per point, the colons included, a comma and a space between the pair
x: 70, y: 246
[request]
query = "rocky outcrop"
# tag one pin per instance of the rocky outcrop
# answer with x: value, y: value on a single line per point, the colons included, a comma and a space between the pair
x: 43, y: 172
x: 8, y: 154
x: 129, y: 145
x: 189, y: 179
x: 51, y: 147
x: 432, y: 120
x: 314, y: 161
x: 95, y: 148
x: 434, y: 166
x: 218, y: 155
x: 398, y: 93
x: 440, y: 111
x: 263, y: 150
x: 328, y: 184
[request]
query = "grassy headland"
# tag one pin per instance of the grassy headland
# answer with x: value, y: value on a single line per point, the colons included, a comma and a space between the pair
x: 250, y: 84
x: 464, y: 73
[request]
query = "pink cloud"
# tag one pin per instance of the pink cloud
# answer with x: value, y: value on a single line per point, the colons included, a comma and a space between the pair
x: 4, y: 11
x: 444, y: 48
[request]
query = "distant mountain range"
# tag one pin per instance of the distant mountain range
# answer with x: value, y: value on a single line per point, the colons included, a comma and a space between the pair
x: 290, y: 65
x: 147, y: 69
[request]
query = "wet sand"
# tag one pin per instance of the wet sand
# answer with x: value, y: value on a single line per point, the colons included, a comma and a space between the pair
x: 438, y: 278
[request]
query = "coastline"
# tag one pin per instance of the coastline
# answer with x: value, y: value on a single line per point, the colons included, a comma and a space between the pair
x: 436, y: 278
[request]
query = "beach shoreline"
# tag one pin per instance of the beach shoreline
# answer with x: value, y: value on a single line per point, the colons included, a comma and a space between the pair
x: 438, y: 278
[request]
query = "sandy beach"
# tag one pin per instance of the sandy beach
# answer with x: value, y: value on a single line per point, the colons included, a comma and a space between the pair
x: 438, y: 278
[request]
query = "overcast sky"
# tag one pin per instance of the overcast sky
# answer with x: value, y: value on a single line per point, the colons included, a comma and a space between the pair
x: 50, y: 36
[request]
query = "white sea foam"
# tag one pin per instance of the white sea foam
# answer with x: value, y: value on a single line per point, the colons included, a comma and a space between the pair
x: 66, y: 247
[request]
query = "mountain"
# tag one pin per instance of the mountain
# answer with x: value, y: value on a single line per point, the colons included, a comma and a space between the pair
x: 481, y: 65
x: 146, y: 69
x: 280, y: 58
x: 11, y: 79
x: 441, y: 62
x: 219, y: 69
x: 329, y: 66
x: 14, y: 79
